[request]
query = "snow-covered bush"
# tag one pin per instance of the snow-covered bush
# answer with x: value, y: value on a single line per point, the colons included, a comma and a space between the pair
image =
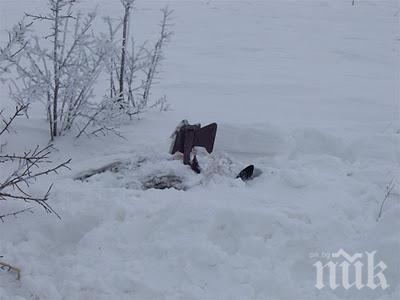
x: 61, y: 68
x: 133, y: 69
x: 20, y: 170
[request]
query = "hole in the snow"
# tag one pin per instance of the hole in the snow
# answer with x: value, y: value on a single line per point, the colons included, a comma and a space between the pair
x: 132, y: 175
x: 164, y: 182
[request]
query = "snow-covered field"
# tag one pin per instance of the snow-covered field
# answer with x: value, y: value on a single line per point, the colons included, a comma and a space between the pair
x: 307, y: 90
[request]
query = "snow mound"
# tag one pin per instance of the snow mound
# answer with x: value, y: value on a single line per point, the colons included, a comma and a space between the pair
x: 262, y: 139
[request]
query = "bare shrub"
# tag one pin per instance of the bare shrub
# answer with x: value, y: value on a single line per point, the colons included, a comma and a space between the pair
x: 24, y: 169
x: 136, y: 66
x: 61, y: 69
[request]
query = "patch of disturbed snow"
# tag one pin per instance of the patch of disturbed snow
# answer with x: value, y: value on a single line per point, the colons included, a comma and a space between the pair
x: 159, y: 171
x: 221, y: 238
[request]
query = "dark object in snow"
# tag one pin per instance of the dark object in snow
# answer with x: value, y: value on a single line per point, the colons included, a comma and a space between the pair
x: 9, y: 268
x: 246, y: 173
x: 195, y: 165
x: 113, y: 167
x: 164, y: 182
x: 187, y: 136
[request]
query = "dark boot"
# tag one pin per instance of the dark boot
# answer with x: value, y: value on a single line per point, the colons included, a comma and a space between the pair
x: 246, y: 173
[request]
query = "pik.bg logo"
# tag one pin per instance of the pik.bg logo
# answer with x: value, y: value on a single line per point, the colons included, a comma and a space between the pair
x: 356, y: 270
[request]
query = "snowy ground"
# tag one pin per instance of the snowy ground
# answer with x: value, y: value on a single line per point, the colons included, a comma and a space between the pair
x: 307, y: 90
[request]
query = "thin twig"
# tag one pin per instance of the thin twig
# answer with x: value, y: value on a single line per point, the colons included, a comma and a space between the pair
x: 389, y: 189
x: 9, y: 268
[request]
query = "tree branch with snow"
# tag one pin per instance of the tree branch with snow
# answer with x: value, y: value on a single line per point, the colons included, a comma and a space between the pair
x: 24, y: 169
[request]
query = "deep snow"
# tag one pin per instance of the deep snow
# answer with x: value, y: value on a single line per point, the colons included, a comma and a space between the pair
x: 306, y: 90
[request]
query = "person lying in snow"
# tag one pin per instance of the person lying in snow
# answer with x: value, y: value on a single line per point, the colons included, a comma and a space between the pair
x: 187, y: 136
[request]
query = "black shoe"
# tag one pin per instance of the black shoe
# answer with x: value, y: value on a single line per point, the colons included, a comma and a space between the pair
x: 246, y: 173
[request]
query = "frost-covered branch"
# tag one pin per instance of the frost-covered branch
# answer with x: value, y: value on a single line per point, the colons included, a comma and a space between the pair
x: 157, y: 54
x: 100, y: 119
x: 7, y: 122
x: 15, y: 45
x: 24, y: 169
x: 127, y: 11
x: 136, y: 67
